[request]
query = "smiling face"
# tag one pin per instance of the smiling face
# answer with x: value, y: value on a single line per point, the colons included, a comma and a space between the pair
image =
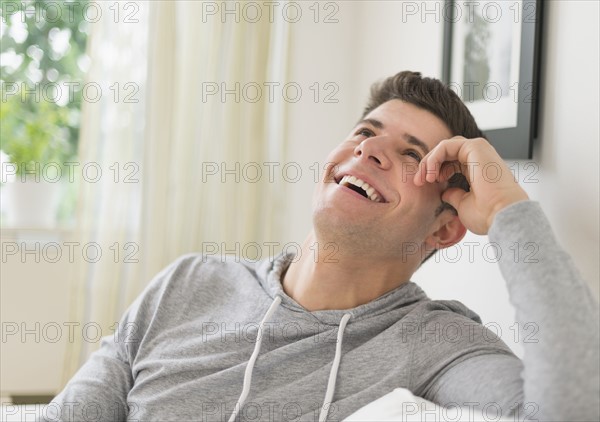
x: 394, y: 215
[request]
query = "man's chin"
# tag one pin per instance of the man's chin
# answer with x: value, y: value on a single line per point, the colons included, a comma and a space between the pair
x: 345, y: 232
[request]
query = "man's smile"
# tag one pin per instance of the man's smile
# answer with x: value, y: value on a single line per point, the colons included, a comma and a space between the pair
x: 361, y: 187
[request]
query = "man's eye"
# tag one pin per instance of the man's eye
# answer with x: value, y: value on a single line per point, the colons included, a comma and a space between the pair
x: 413, y: 154
x: 365, y: 132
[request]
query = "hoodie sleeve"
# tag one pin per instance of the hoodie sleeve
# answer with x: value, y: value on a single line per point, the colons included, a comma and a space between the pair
x: 99, y: 389
x: 451, y: 358
x: 558, y: 378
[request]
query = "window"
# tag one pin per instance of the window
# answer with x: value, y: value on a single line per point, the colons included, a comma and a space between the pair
x: 42, y: 68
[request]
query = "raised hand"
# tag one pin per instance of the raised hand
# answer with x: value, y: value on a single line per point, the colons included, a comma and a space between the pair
x: 492, y: 185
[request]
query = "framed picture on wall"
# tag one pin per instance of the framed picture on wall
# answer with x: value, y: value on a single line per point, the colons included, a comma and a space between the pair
x: 491, y: 60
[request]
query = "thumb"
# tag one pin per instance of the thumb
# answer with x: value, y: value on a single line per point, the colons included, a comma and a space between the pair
x: 454, y: 196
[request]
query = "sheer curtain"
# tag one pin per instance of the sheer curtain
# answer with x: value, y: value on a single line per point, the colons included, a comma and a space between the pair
x: 163, y: 153
x: 191, y: 56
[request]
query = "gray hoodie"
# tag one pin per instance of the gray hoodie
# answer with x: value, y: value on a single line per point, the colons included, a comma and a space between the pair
x: 214, y: 339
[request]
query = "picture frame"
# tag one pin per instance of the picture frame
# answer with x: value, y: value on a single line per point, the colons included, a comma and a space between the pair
x: 491, y: 59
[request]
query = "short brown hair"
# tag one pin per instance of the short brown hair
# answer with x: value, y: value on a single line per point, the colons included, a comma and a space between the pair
x: 429, y: 94
x: 434, y: 96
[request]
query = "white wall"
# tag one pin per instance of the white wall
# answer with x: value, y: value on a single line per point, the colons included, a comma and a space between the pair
x: 376, y: 39
x: 34, y: 312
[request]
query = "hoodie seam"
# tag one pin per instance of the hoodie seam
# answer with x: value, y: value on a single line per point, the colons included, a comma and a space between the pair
x: 412, y: 355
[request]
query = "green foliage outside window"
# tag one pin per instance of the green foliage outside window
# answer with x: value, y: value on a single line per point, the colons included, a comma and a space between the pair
x: 42, y: 64
x: 42, y: 68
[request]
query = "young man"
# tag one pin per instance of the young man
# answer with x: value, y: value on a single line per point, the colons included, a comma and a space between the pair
x: 319, y: 335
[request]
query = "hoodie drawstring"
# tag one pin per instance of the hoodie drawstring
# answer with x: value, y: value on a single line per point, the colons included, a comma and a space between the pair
x: 250, y: 367
x: 334, y: 369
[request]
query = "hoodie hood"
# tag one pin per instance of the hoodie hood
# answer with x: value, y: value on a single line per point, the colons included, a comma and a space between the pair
x: 269, y: 274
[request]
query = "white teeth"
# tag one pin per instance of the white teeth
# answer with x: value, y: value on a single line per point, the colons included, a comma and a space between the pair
x: 363, y: 185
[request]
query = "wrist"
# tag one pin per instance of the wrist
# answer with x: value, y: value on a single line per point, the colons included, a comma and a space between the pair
x: 500, y: 206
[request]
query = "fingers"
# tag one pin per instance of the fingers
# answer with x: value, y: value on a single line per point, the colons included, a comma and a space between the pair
x: 456, y: 151
x: 449, y: 169
x: 435, y: 167
x: 454, y: 196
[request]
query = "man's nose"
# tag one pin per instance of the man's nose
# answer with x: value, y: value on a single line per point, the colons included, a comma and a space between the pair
x: 374, y: 151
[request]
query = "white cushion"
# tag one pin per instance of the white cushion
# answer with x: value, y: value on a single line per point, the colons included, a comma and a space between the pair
x: 402, y: 405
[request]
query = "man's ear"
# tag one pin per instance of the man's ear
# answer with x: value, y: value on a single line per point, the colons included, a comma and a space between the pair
x: 449, y: 233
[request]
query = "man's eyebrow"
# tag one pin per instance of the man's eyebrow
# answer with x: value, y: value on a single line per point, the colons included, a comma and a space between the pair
x: 413, y: 140
x: 373, y: 122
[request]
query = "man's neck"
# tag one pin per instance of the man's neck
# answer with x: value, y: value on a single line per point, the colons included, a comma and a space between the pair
x: 324, y: 277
